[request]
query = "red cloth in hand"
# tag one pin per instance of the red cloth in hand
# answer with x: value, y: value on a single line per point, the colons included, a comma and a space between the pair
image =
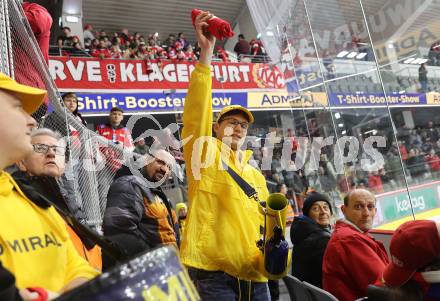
x: 219, y: 28
x: 43, y: 295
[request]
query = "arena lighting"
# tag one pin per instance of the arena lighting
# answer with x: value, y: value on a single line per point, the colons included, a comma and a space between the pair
x: 344, y: 132
x: 337, y: 115
x: 415, y: 61
x: 269, y: 33
x: 340, y: 125
x: 351, y: 55
x: 373, y: 132
x: 72, y: 19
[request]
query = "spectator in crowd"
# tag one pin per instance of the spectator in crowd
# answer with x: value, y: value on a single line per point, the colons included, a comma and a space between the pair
x: 57, y: 121
x: 40, y: 175
x: 171, y: 40
x: 181, y: 39
x: 433, y: 160
x: 115, y: 50
x: 432, y: 132
x: 416, y: 164
x: 101, y: 51
x: 189, y: 54
x: 415, y: 269
x: 423, y: 78
x: 65, y: 39
x: 310, y: 234
x: 139, y: 217
x: 222, y: 264
x: 375, y: 182
x: 222, y: 54
x: 40, y: 21
x: 88, y: 35
x: 119, y: 135
x: 181, y: 212
x: 353, y: 259
x: 39, y: 234
x: 242, y: 46
x: 140, y: 146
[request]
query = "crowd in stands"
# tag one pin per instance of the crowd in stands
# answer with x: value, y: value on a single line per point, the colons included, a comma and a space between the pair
x: 123, y: 45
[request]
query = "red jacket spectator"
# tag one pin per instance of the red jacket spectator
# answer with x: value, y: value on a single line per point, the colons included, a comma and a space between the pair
x: 433, y: 160
x: 222, y: 54
x: 40, y: 22
x: 256, y: 47
x: 242, y: 46
x: 352, y: 261
x: 101, y: 53
x: 375, y: 183
x: 118, y: 135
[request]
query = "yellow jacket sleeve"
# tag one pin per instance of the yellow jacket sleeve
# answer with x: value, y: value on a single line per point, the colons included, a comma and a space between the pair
x: 197, y: 114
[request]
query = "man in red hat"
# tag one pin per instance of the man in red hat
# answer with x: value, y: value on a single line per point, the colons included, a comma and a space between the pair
x: 415, y: 252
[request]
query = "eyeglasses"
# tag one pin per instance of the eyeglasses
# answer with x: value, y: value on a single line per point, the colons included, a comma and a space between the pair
x: 235, y: 122
x: 44, y: 149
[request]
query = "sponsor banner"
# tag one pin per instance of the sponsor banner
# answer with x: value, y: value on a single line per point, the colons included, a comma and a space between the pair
x: 433, y: 98
x: 92, y: 103
x: 376, y: 99
x: 397, y: 205
x: 89, y: 74
x: 286, y: 100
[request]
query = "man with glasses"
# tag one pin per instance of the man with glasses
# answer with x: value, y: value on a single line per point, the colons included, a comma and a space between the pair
x: 139, y: 216
x: 41, y: 173
x: 223, y: 224
x: 353, y: 258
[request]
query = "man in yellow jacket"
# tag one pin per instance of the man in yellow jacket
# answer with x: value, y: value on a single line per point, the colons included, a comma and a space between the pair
x: 223, y: 224
x: 34, y: 243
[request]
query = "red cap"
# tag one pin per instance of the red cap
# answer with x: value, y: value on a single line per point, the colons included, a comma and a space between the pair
x: 413, y: 245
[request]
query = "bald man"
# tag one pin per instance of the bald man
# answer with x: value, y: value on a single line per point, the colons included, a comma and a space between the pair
x: 353, y: 258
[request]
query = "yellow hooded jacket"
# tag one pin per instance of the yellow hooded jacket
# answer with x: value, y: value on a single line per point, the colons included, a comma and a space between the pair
x: 223, y: 224
x: 34, y: 243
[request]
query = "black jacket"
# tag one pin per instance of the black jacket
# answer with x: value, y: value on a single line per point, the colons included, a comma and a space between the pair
x: 8, y: 291
x: 135, y: 219
x: 309, y: 242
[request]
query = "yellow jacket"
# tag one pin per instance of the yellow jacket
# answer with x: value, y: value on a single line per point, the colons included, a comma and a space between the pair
x: 223, y: 224
x: 34, y: 243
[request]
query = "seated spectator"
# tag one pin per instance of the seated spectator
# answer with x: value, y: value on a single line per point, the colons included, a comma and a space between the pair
x: 88, y: 35
x: 415, y: 268
x: 101, y: 51
x: 189, y: 54
x: 353, y: 259
x: 35, y: 244
x: 116, y: 51
x: 375, y: 182
x: 310, y: 234
x: 242, y: 46
x: 222, y: 54
x: 181, y: 39
x: 40, y: 173
x: 181, y: 212
x: 433, y: 160
x: 140, y: 146
x: 138, y: 218
x: 65, y: 39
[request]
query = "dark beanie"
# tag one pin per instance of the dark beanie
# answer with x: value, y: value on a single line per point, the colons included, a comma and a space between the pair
x: 312, y: 198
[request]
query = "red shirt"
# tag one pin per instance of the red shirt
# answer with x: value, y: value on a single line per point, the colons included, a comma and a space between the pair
x: 375, y: 183
x: 352, y: 261
x: 104, y: 52
x: 120, y: 135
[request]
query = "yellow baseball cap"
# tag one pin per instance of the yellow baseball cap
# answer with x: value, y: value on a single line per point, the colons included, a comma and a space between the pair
x: 233, y: 108
x: 30, y: 97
